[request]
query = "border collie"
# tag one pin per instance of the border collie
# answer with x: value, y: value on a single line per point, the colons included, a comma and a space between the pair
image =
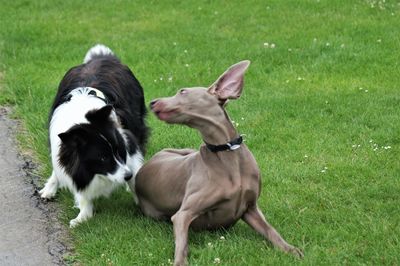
x: 97, y: 130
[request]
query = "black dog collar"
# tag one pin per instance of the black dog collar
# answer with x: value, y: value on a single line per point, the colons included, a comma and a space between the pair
x: 97, y: 93
x: 230, y: 146
x: 86, y: 90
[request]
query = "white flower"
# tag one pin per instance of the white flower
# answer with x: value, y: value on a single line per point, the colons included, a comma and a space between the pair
x: 266, y: 44
x: 342, y: 46
x: 272, y: 45
x: 174, y: 43
x: 217, y: 261
x: 185, y: 51
x: 328, y: 44
x: 289, y: 50
x: 186, y: 65
x: 222, y: 238
x: 366, y: 90
x: 170, y: 79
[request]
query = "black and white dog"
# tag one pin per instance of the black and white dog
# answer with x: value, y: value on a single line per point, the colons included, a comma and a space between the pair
x: 97, y: 130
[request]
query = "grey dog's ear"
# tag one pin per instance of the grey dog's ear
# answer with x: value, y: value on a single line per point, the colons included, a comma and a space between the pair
x: 230, y: 84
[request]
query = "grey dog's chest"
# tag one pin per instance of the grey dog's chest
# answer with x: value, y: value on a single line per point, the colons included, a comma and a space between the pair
x: 237, y: 193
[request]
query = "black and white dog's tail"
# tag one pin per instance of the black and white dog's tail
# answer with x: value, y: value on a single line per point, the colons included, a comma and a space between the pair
x: 99, y: 50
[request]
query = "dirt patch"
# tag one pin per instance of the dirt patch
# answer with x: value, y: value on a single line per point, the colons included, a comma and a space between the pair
x: 30, y: 233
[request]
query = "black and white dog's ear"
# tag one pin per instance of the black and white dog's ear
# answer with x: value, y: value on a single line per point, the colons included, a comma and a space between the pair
x: 74, y: 137
x: 230, y: 84
x: 100, y: 115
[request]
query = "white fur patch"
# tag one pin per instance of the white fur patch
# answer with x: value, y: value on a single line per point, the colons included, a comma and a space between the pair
x: 64, y: 117
x: 98, y: 49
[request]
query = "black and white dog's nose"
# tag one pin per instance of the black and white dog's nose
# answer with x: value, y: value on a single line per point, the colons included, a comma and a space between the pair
x: 128, y: 176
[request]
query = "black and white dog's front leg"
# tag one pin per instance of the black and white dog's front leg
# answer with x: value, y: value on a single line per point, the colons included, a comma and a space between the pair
x: 85, y: 210
x: 50, y: 188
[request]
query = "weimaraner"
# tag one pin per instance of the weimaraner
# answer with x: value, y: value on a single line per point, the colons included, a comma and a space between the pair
x: 210, y: 188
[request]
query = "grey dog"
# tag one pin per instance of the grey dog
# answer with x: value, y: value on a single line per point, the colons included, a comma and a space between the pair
x: 210, y: 188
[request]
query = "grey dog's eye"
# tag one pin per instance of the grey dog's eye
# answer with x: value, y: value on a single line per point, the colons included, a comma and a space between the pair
x: 182, y: 91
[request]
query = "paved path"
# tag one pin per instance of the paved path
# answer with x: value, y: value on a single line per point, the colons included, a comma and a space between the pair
x: 27, y: 237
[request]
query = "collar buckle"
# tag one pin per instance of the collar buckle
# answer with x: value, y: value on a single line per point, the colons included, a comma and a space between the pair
x: 233, y: 147
x: 230, y: 146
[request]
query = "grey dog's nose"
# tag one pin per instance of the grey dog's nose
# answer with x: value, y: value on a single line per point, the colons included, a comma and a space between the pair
x: 153, y: 102
x: 128, y: 176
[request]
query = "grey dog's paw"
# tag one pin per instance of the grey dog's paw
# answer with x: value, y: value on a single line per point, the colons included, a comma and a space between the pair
x: 296, y: 252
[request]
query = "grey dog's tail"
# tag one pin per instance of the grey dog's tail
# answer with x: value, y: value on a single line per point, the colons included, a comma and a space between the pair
x: 98, y: 50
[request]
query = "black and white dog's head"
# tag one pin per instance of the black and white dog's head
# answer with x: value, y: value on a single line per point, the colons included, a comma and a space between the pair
x: 96, y: 149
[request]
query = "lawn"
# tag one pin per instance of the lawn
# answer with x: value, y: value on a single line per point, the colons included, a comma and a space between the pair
x: 320, y: 111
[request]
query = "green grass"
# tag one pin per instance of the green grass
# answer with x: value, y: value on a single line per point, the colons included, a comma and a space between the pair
x: 327, y: 95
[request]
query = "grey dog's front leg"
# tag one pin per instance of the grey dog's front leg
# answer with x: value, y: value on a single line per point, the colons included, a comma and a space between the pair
x: 192, y: 206
x: 181, y: 221
x: 256, y: 220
